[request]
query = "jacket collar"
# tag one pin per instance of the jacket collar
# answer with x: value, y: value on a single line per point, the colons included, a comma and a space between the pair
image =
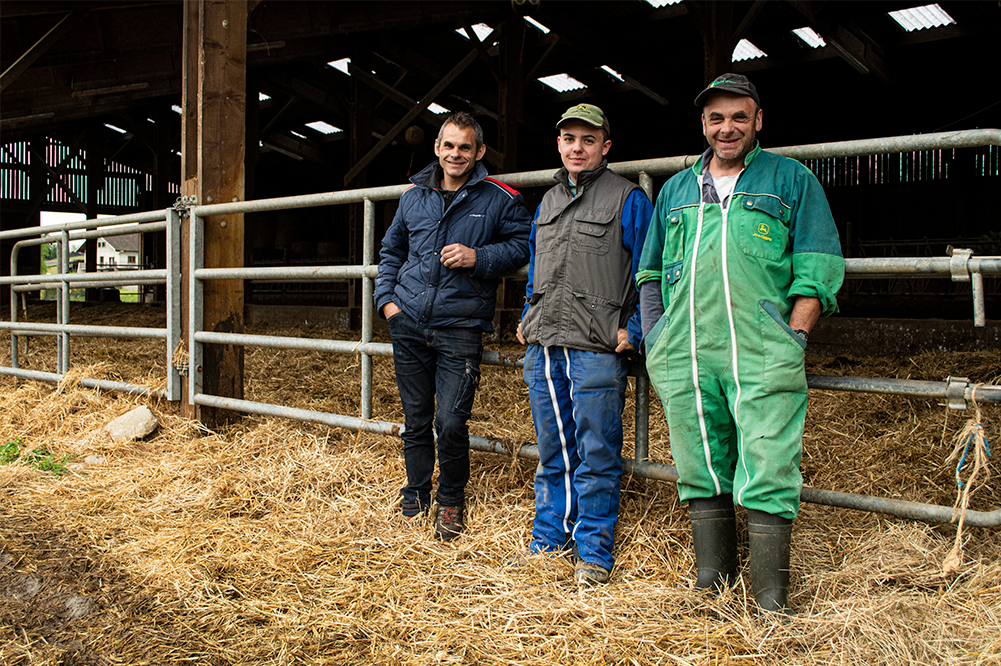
x: 584, y: 178
x: 430, y: 176
x: 701, y: 165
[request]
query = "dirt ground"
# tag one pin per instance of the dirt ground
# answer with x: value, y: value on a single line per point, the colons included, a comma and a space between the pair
x: 279, y: 542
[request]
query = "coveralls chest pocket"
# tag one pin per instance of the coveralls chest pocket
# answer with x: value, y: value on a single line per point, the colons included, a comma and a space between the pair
x: 590, y: 230
x: 674, y: 241
x: 764, y: 226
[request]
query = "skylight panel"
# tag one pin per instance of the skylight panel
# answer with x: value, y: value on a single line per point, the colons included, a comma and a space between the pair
x: 437, y: 108
x: 301, y: 136
x: 176, y: 109
x: 562, y: 83
x: 481, y: 30
x: 261, y: 97
x: 323, y: 128
x: 341, y: 65
x: 810, y: 37
x: 921, y: 18
x: 662, y: 3
x: 746, y: 51
x: 117, y: 129
x: 532, y: 21
x: 612, y: 72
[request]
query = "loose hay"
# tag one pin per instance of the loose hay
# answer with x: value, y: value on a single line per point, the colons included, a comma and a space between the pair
x: 276, y: 542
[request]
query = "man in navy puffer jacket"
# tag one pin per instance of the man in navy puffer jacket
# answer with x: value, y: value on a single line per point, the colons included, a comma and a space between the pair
x: 455, y: 233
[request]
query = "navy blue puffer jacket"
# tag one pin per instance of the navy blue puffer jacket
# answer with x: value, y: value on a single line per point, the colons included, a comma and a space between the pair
x: 485, y: 215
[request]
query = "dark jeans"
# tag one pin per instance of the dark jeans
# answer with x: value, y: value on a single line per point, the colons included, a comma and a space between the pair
x: 442, y: 364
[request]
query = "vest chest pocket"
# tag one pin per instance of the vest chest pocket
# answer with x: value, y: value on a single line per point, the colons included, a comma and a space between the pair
x: 764, y: 226
x: 546, y: 233
x: 591, y: 231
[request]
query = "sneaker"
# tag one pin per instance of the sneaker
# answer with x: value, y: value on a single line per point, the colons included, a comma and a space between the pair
x: 586, y: 573
x: 448, y: 522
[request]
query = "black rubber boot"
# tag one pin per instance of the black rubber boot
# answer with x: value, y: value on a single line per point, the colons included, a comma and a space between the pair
x: 768, y: 561
x: 714, y: 533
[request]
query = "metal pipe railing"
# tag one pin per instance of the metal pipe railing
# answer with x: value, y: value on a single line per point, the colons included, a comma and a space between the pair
x: 137, y: 223
x: 963, y: 267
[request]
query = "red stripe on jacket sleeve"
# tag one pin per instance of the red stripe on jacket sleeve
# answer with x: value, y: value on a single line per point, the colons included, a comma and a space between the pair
x: 507, y: 188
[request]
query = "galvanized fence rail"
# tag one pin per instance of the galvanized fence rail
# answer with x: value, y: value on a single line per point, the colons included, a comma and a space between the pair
x: 960, y: 266
x: 167, y: 221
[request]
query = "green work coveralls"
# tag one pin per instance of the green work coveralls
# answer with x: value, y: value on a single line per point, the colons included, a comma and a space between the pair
x: 723, y: 359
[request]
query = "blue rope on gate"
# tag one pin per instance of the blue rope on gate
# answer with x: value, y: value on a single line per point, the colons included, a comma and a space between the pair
x: 970, y: 439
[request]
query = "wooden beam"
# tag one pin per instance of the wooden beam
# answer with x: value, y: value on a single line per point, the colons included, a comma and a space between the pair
x: 719, y: 39
x: 390, y: 92
x: 857, y: 52
x: 511, y: 95
x: 748, y: 20
x: 215, y: 33
x: 846, y: 42
x: 409, y: 117
x: 542, y: 59
x: 40, y: 47
x: 481, y: 48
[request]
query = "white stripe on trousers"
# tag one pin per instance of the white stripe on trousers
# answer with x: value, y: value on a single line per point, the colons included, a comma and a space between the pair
x: 563, y: 438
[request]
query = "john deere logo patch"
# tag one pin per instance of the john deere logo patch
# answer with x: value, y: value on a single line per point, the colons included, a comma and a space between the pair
x: 763, y: 232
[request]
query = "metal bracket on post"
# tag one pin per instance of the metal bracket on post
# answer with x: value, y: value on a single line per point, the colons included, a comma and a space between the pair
x: 184, y: 203
x: 960, y: 270
x: 955, y: 391
x: 958, y: 264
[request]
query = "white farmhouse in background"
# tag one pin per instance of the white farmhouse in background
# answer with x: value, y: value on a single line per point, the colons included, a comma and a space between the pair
x: 118, y: 251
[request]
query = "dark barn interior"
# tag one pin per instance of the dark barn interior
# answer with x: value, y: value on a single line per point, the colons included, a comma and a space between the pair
x: 92, y: 104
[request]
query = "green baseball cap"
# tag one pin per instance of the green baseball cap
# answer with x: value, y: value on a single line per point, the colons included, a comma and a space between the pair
x: 589, y: 114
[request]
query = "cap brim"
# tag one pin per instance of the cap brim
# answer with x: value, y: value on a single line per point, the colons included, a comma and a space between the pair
x: 704, y: 96
x: 583, y: 120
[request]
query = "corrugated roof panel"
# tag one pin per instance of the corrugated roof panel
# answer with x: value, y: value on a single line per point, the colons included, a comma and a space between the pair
x: 745, y: 50
x: 922, y: 18
x: 562, y: 82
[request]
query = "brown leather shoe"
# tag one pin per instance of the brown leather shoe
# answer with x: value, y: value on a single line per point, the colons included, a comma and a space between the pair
x: 586, y: 573
x: 449, y: 521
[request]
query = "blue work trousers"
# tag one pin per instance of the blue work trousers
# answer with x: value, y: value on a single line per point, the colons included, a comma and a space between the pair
x: 443, y: 365
x: 577, y: 399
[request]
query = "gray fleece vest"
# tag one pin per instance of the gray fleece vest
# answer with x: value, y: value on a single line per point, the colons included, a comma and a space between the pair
x: 583, y: 279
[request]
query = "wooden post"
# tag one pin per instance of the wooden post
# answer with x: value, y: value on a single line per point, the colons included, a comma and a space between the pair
x: 213, y: 140
x: 719, y: 39
x: 510, y: 94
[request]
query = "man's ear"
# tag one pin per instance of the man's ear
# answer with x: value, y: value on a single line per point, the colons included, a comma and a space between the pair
x: 606, y: 146
x: 480, y: 152
x: 436, y: 153
x: 759, y: 121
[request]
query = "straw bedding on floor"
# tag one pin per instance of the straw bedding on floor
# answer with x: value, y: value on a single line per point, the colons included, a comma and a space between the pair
x: 278, y: 542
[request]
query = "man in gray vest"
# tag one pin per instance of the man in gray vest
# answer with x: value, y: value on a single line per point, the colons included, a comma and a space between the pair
x: 580, y: 321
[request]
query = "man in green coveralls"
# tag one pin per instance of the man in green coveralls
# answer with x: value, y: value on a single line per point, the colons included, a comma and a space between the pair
x: 741, y: 259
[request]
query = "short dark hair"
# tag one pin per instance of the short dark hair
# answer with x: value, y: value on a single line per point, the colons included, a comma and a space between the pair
x: 462, y: 120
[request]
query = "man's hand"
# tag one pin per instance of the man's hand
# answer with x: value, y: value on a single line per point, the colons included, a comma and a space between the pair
x: 457, y: 255
x: 390, y: 309
x: 624, y: 344
x: 521, y: 338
